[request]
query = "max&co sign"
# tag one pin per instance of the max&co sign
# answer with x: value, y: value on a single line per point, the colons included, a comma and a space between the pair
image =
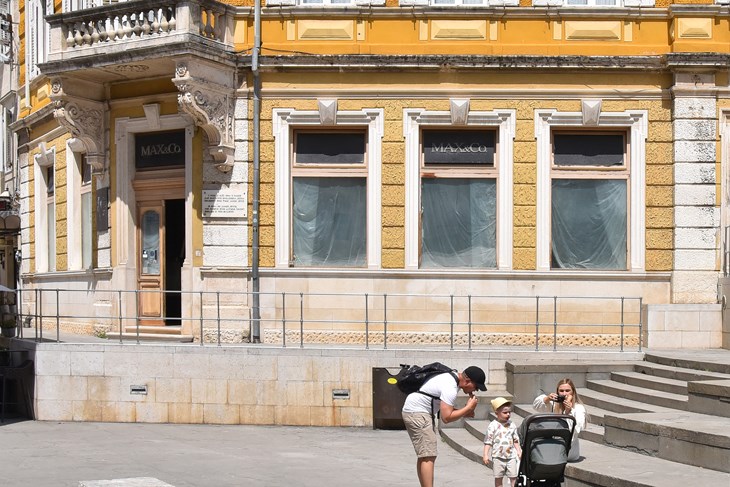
x: 160, y: 149
x: 458, y: 147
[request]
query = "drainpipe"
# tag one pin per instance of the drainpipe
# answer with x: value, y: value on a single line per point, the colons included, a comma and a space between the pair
x: 255, y: 305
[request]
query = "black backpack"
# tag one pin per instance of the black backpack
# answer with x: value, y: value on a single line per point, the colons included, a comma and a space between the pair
x: 410, y: 378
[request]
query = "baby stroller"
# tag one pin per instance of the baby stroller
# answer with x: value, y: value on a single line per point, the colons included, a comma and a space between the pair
x: 545, y: 440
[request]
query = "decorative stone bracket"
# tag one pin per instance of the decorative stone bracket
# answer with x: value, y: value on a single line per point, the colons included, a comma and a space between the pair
x: 84, y: 118
x: 210, y: 103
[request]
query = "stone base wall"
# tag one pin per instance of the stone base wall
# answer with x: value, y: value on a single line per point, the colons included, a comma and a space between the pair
x: 682, y: 326
x: 247, y: 384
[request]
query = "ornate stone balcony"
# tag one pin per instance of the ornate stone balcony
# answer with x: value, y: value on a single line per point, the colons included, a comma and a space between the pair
x: 136, y: 31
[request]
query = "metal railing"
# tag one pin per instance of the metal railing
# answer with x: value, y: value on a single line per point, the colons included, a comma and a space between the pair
x: 371, y: 321
x: 726, y: 253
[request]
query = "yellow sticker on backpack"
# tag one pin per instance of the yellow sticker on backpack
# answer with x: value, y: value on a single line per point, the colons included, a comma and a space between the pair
x: 392, y: 380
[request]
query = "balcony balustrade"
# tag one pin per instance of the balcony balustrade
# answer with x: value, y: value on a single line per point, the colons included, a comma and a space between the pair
x: 122, y: 26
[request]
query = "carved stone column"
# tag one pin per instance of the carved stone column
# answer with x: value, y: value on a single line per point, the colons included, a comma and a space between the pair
x: 84, y: 118
x: 207, y: 94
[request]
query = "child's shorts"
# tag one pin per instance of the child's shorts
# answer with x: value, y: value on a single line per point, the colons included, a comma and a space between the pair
x: 505, y: 468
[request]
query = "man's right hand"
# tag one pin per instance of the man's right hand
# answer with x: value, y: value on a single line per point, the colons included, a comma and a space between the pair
x: 471, y: 403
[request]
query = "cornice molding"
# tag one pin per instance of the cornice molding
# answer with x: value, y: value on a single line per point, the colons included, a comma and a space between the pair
x: 460, y: 62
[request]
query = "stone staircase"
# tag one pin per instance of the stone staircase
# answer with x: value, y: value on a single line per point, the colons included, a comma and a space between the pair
x: 662, y: 422
x: 170, y: 333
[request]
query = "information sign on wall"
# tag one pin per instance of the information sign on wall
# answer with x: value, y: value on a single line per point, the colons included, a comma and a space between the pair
x: 225, y: 202
x: 102, y: 209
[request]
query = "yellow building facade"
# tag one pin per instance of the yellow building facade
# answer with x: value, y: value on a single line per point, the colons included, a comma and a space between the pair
x: 258, y: 172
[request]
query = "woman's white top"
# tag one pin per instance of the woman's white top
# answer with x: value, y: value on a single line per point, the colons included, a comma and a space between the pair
x: 578, y: 412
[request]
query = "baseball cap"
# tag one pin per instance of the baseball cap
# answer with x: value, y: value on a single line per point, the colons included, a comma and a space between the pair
x: 498, y: 402
x: 476, y: 375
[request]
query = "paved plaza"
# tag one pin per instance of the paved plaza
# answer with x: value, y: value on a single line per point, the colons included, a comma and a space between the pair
x: 45, y: 454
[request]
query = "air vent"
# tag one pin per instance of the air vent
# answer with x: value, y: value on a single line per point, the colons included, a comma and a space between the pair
x: 340, y: 393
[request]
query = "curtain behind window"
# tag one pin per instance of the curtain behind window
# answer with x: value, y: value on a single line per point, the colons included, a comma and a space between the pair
x: 329, y: 222
x: 459, y: 222
x: 589, y: 224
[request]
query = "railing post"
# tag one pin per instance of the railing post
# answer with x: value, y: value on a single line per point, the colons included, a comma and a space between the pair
x: 58, y: 319
x: 136, y: 312
x: 622, y: 323
x: 121, y: 321
x: 555, y: 323
x: 19, y: 309
x: 641, y: 323
x: 283, y: 320
x: 367, y: 324
x: 218, y: 308
x: 301, y: 320
x: 537, y: 323
x: 202, y: 338
x: 469, y: 331
x: 385, y: 321
x: 451, y: 305
x: 39, y: 321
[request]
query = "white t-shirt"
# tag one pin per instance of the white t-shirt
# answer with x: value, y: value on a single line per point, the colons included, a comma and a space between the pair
x: 443, y: 386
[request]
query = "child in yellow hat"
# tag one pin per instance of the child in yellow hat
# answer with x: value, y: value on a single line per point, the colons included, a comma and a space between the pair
x: 502, y: 444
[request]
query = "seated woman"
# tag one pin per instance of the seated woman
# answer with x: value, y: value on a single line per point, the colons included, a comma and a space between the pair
x: 565, y: 401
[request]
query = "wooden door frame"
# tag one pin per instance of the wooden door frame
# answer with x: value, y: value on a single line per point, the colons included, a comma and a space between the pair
x: 152, y: 188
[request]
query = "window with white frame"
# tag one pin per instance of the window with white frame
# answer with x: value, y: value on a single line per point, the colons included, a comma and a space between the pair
x: 86, y: 215
x: 458, y: 198
x: 39, y: 40
x: 590, y: 191
x: 76, y: 5
x: 459, y: 190
x: 44, y: 209
x: 594, y: 3
x: 6, y: 139
x: 589, y: 200
x: 461, y: 3
x: 78, y: 207
x: 328, y: 182
x: 51, y: 218
x: 322, y: 3
x: 329, y: 199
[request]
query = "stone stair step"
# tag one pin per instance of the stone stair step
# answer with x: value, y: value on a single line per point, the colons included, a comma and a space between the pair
x: 621, y: 391
x: 149, y: 337
x: 651, y: 382
x: 679, y: 373
x: 700, y: 360
x: 464, y: 442
x: 598, y: 403
x: 678, y: 436
x: 477, y: 427
x: 603, y: 465
x: 160, y: 330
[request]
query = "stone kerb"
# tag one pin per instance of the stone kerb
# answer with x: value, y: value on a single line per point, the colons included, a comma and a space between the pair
x: 709, y: 397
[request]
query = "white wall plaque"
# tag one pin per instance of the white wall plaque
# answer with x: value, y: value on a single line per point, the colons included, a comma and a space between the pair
x: 230, y: 203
